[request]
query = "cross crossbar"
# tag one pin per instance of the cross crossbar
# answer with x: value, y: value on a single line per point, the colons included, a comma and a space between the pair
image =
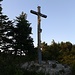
x: 36, y: 13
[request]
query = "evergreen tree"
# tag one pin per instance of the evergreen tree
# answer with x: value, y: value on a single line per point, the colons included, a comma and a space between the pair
x: 9, y: 36
x: 23, y: 41
x: 5, y: 28
x: 3, y: 23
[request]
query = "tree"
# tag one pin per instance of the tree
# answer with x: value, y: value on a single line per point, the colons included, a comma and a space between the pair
x: 45, y: 51
x: 50, y: 52
x: 23, y: 41
x: 54, y: 50
x: 44, y: 46
x: 9, y: 36
x: 3, y: 30
x: 69, y: 46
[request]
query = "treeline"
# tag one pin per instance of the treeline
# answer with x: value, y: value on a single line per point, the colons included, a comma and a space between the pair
x: 63, y: 52
x: 16, y: 44
x: 15, y: 36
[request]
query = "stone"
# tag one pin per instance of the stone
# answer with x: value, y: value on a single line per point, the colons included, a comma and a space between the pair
x: 47, y: 67
x: 25, y: 65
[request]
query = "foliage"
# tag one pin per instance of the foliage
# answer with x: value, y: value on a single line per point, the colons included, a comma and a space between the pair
x: 50, y: 52
x: 5, y: 28
x: 23, y: 41
x: 63, y: 52
x: 11, y: 66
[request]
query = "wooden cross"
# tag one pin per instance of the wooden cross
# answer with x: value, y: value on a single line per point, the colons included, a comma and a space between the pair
x: 39, y: 14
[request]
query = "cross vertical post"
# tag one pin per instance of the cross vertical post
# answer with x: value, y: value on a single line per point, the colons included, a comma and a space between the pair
x: 39, y: 15
x: 39, y: 37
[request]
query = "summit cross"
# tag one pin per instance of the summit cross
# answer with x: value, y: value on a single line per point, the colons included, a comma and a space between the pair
x: 39, y: 30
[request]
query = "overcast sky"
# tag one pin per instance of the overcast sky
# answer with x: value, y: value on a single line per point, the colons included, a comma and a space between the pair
x: 59, y: 24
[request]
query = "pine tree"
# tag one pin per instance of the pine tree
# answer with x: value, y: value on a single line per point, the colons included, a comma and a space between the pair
x: 5, y: 28
x: 23, y: 41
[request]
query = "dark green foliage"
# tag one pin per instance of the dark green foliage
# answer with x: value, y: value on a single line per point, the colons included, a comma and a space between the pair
x: 63, y: 52
x: 23, y: 41
x: 11, y: 66
x: 50, y: 52
x: 5, y: 28
x: 16, y: 38
x: 3, y: 25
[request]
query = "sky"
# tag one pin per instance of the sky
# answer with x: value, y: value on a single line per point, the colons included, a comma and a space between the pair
x: 59, y: 24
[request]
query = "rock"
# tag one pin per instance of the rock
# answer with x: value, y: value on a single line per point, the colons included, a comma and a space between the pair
x: 47, y: 67
x: 25, y: 65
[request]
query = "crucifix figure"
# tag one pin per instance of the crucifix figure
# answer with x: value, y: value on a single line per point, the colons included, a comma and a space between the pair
x: 39, y: 30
